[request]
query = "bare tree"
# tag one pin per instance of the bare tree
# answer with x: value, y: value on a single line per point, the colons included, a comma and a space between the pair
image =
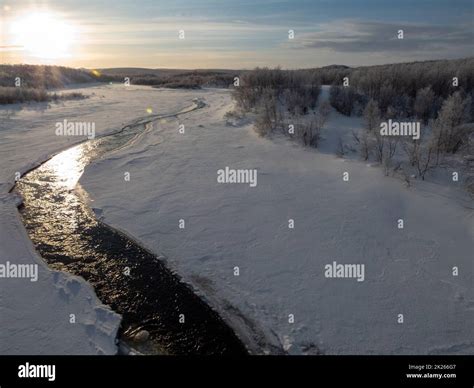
x: 342, y: 99
x: 372, y: 116
x: 448, y: 130
x: 340, y: 147
x: 266, y: 113
x: 424, y: 102
x: 421, y: 153
x: 424, y: 159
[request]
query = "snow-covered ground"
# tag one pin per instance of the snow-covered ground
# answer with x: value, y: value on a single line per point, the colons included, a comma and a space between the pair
x: 408, y: 271
x: 281, y: 270
x: 35, y: 317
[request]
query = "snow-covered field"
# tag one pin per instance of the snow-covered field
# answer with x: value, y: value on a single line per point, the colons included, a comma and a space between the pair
x: 281, y: 275
x: 35, y: 316
x: 281, y: 270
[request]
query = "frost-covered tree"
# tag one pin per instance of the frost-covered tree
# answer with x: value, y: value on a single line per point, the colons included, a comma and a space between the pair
x: 449, y: 133
x: 310, y: 132
x: 424, y: 102
x: 386, y: 96
x: 343, y: 99
x: 372, y: 116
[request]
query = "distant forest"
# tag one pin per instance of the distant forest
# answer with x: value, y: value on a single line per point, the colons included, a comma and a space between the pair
x: 400, y: 90
x: 407, y: 90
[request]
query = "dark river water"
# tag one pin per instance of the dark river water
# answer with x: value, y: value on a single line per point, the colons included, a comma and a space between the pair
x: 125, y: 276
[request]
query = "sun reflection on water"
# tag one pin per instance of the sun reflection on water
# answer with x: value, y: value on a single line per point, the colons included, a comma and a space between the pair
x: 68, y: 167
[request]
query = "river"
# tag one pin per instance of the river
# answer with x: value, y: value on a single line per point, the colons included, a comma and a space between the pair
x: 131, y: 280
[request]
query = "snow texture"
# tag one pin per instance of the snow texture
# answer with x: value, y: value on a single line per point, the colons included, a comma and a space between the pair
x: 407, y: 271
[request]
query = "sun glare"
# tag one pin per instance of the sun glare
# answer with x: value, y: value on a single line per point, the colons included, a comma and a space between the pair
x: 43, y: 35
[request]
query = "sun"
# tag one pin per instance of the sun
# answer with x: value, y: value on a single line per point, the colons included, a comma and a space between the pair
x: 43, y: 35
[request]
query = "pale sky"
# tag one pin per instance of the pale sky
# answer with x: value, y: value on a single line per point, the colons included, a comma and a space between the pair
x: 231, y: 33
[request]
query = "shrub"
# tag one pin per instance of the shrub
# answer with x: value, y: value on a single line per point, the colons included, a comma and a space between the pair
x: 10, y: 95
x: 448, y: 130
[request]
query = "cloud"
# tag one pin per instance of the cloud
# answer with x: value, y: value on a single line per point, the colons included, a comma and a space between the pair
x: 376, y: 37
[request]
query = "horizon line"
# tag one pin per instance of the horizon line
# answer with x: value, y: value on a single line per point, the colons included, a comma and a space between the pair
x: 236, y: 69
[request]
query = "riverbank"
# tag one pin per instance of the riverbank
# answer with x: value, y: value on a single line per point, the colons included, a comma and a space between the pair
x: 36, y: 316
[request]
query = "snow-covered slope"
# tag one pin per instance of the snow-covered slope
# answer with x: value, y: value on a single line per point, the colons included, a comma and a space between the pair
x: 281, y: 270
